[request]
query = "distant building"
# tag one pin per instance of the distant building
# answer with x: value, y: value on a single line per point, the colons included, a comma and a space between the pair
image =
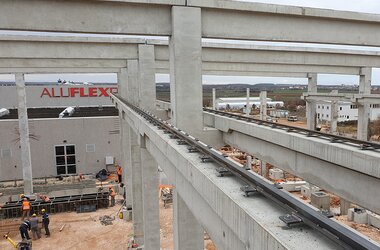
x: 347, y: 111
x: 240, y: 102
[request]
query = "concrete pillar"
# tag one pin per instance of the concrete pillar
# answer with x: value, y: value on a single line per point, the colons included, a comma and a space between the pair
x: 126, y: 162
x: 147, y: 81
x: 263, y: 105
x: 24, y: 134
x: 213, y: 99
x: 137, y: 201
x: 311, y: 110
x: 344, y: 206
x: 263, y: 168
x: 247, y: 106
x: 186, y: 70
x: 334, y: 117
x: 150, y: 198
x: 188, y: 233
x: 249, y: 162
x: 364, y: 109
x: 133, y: 84
x: 122, y: 79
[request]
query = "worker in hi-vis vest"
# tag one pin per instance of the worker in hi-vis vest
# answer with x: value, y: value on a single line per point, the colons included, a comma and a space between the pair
x: 25, y: 208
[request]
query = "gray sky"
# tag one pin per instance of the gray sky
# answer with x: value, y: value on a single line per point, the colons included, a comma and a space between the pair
x: 368, y: 6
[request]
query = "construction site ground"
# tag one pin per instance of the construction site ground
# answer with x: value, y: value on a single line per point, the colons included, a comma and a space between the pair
x: 85, y: 231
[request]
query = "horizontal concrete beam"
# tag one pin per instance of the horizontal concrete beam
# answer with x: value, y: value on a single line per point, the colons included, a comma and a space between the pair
x: 224, y: 57
x: 219, y: 19
x: 342, y: 97
x: 57, y: 70
x: 61, y: 63
x: 231, y: 220
x: 332, y: 166
x: 285, y: 23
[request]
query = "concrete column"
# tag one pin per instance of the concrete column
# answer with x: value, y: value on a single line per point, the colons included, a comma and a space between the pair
x: 249, y: 161
x: 147, y: 81
x: 150, y: 198
x: 137, y: 201
x: 344, y: 206
x: 311, y: 111
x: 213, y: 98
x: 126, y: 159
x: 186, y: 69
x: 122, y: 79
x: 364, y: 109
x: 24, y: 134
x: 334, y: 117
x: 247, y: 106
x: 263, y: 168
x: 133, y: 84
x: 263, y: 105
x: 188, y: 233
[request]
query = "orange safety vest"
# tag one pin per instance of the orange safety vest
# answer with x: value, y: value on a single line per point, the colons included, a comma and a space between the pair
x: 118, y: 170
x: 25, y: 205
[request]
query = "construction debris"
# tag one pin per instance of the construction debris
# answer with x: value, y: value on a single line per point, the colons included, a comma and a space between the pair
x: 106, y: 220
x: 63, y: 226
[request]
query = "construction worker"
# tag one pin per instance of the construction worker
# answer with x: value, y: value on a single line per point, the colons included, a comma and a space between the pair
x: 45, y: 222
x: 34, y: 225
x: 24, y: 228
x: 26, y: 207
x: 22, y: 196
x: 112, y: 194
x: 119, y: 172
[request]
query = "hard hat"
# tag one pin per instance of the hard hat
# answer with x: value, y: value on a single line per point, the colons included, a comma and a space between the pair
x: 34, y: 215
x: 43, y: 210
x: 21, y: 195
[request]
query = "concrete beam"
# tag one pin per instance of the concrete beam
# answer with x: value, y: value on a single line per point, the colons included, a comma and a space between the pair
x: 364, y: 109
x: 311, y: 108
x: 267, y: 22
x: 219, y: 19
x: 24, y: 135
x: 253, y: 224
x: 133, y: 81
x: 332, y: 166
x: 57, y: 70
x: 128, y: 17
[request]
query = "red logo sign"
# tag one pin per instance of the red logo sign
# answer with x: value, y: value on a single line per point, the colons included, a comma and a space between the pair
x: 79, y: 92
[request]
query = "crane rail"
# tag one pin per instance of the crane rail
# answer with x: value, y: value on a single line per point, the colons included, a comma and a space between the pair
x: 313, y: 218
x: 333, y: 138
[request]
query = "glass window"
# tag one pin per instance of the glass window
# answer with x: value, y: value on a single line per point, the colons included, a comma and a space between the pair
x: 65, y: 159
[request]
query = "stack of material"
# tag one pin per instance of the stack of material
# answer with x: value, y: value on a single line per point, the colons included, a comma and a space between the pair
x: 106, y: 220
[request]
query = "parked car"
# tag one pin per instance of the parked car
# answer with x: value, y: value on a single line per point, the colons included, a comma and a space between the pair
x: 292, y: 118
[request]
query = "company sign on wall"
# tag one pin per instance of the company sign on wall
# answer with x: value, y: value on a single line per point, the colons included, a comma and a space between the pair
x: 78, y: 92
x: 59, y: 96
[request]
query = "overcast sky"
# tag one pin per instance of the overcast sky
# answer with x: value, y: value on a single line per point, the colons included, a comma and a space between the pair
x: 368, y: 6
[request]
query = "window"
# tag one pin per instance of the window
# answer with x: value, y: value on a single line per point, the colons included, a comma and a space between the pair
x: 319, y: 106
x: 323, y: 107
x: 340, y: 108
x: 375, y: 105
x: 327, y: 107
x: 65, y: 159
x: 348, y: 117
x: 354, y: 106
x: 323, y: 115
x: 327, y: 116
x: 319, y: 115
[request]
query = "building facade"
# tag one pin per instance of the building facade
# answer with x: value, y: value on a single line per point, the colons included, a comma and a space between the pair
x: 347, y: 111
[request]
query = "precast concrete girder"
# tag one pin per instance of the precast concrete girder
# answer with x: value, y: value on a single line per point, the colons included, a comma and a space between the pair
x: 342, y: 97
x: 231, y: 220
x: 219, y: 18
x: 333, y: 167
x: 61, y: 63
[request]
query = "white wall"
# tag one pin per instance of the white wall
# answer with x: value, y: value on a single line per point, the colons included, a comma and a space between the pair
x: 46, y: 133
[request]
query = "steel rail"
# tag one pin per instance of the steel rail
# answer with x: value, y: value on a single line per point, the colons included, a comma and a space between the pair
x: 331, y: 137
x: 332, y: 229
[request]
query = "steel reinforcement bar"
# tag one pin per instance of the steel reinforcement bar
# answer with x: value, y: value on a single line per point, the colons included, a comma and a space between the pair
x: 315, y: 219
x: 56, y: 204
x: 331, y: 137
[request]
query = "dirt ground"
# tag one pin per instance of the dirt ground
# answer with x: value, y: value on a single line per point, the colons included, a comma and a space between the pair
x: 84, y: 231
